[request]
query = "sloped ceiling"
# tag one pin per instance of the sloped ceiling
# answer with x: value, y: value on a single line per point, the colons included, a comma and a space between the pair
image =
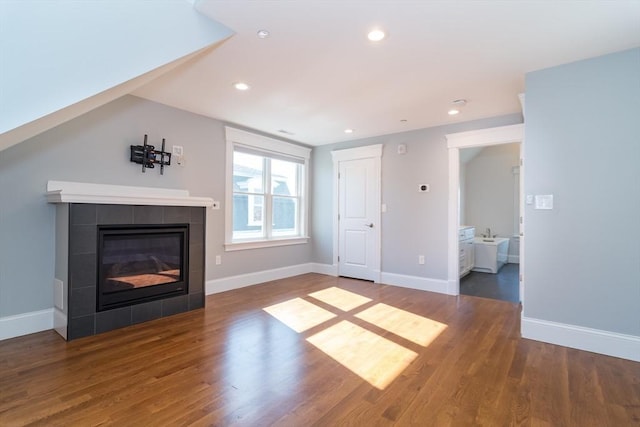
x: 63, y: 58
x: 317, y: 74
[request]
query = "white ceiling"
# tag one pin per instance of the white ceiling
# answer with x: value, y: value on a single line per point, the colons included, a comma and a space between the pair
x: 317, y: 74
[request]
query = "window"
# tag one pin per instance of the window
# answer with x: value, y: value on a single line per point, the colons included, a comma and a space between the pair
x: 266, y: 191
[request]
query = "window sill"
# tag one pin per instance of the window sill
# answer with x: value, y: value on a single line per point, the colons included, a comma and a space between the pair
x: 256, y: 244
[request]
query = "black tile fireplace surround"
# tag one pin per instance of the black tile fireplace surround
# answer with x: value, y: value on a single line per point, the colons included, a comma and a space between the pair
x: 82, y: 317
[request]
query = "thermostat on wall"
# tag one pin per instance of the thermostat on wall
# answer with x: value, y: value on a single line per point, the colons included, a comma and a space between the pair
x: 423, y: 188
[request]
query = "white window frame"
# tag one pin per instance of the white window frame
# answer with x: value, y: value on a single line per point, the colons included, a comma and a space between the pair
x: 277, y: 147
x: 251, y: 202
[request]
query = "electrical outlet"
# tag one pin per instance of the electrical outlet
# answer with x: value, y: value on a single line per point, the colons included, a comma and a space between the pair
x: 218, y: 260
x: 421, y: 259
x: 178, y: 154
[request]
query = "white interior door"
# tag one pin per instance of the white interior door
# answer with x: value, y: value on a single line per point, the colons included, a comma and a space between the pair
x: 356, y: 226
x: 358, y: 200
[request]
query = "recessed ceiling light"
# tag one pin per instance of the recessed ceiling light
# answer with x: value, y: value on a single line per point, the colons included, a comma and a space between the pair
x: 263, y: 34
x: 241, y: 86
x: 457, y: 105
x: 376, y: 35
x: 348, y: 131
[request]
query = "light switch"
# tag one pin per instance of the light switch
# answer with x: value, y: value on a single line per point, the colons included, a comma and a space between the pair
x: 544, y: 201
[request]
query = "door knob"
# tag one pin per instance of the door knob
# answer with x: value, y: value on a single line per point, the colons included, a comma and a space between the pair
x: 370, y: 225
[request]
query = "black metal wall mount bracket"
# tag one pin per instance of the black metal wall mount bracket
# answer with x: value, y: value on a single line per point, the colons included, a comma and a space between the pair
x: 147, y: 156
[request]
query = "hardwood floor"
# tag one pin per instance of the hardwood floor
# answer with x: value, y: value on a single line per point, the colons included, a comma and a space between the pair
x: 233, y: 363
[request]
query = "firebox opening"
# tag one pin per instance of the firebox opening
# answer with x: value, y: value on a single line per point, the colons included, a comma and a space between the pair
x: 141, y: 263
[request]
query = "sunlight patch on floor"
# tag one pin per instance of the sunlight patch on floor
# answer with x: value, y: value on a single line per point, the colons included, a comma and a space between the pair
x: 375, y: 359
x: 340, y: 298
x: 299, y: 314
x: 410, y: 326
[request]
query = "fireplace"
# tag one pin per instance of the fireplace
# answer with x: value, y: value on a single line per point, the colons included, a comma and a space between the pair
x: 141, y: 263
x: 125, y: 255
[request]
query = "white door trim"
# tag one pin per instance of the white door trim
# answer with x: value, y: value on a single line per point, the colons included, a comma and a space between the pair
x: 369, y: 151
x: 456, y: 141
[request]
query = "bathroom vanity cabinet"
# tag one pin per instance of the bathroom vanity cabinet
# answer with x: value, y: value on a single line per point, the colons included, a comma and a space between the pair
x: 467, y: 252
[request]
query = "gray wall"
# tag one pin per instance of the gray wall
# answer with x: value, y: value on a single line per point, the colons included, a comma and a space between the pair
x: 95, y: 148
x: 582, y: 144
x: 489, y: 191
x: 415, y: 223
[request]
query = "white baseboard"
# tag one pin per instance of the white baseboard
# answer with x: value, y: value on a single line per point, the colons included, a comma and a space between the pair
x: 414, y: 282
x: 453, y: 287
x: 236, y: 282
x: 513, y: 259
x: 328, y: 269
x: 243, y: 280
x: 594, y: 340
x: 60, y: 322
x: 26, y: 323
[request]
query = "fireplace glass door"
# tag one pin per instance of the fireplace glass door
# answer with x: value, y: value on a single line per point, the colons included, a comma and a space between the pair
x: 141, y: 263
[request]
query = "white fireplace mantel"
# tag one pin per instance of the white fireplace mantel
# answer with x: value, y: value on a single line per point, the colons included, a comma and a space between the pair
x: 81, y: 192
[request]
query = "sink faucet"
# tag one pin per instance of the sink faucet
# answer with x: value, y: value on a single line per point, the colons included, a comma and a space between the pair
x: 488, y: 232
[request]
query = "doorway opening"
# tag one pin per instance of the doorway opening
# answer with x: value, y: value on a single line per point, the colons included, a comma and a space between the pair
x: 489, y: 212
x: 479, y: 139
